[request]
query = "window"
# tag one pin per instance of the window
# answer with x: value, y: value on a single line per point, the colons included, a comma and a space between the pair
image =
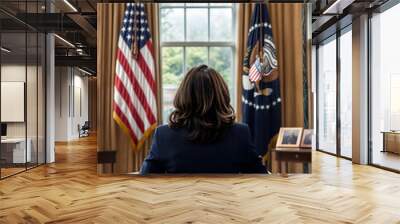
x: 22, y: 79
x: 327, y: 96
x: 385, y: 88
x: 193, y: 34
x: 334, y: 94
x: 346, y: 93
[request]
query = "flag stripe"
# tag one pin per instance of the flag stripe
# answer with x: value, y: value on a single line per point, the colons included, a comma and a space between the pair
x: 150, y: 80
x: 131, y: 95
x: 136, y: 86
x: 131, y: 123
x: 146, y: 57
x: 123, y: 118
x: 150, y: 49
x: 145, y: 70
x: 139, y: 76
x: 125, y: 97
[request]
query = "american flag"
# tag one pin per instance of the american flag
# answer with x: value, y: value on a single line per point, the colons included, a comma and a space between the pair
x: 135, y: 107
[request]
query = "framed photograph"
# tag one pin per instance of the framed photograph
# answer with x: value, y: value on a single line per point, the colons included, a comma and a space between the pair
x: 289, y: 137
x: 306, y: 140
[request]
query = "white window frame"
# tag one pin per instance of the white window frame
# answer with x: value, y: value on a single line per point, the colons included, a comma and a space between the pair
x: 207, y: 44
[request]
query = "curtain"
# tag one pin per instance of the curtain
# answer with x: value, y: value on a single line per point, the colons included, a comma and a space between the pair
x: 242, y: 28
x: 109, y: 136
x: 287, y: 27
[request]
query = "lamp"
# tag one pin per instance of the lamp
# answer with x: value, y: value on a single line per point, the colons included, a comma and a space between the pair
x: 5, y: 50
x: 64, y: 40
x: 70, y: 5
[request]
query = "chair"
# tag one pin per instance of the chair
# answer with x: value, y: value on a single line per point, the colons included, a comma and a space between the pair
x: 84, y: 130
x: 267, y: 158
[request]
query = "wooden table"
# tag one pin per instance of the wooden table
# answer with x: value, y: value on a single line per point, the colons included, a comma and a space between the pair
x: 13, y: 150
x: 298, y: 155
x: 391, y: 141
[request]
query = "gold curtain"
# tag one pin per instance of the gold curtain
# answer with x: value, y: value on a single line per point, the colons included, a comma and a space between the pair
x: 109, y: 135
x: 242, y: 28
x: 287, y: 27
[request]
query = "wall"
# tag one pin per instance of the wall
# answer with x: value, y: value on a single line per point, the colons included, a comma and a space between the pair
x: 92, y: 88
x: 33, y: 127
x: 71, y: 102
x: 16, y: 73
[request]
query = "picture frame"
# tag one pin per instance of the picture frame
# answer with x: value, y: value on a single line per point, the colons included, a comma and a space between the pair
x: 289, y: 137
x: 307, y: 138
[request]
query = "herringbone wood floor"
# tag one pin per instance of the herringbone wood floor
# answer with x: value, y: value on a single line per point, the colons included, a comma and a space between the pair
x: 71, y: 192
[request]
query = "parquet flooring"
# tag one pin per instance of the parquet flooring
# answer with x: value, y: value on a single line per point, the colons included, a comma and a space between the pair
x: 10, y: 171
x: 70, y: 191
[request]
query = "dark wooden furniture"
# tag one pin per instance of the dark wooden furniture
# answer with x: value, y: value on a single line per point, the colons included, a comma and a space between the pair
x: 298, y: 155
x: 391, y: 141
x: 107, y: 157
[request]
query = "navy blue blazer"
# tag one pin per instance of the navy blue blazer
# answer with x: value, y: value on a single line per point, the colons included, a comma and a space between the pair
x: 172, y: 152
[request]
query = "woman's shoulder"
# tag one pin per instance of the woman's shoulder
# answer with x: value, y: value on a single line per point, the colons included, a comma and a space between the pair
x: 234, y: 129
x: 237, y: 130
x: 162, y: 129
x: 165, y: 129
x: 240, y: 126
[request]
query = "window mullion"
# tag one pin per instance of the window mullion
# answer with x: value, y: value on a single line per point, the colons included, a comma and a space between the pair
x: 208, y: 56
x: 184, y: 60
x: 209, y: 34
x: 184, y: 24
x: 185, y: 38
x: 208, y: 24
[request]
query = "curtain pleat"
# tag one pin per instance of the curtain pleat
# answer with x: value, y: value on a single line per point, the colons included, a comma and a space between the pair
x: 242, y: 28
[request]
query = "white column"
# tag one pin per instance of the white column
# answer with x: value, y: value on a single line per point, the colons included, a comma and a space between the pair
x: 50, y: 99
x: 360, y: 90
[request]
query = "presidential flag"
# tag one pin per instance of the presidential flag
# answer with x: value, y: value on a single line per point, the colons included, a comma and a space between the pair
x: 261, y: 102
x: 134, y: 106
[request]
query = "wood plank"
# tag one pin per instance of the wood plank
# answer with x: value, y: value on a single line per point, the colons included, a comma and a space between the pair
x: 70, y: 191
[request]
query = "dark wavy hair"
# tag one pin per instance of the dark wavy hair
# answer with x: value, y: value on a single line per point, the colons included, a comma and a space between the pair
x: 202, y: 105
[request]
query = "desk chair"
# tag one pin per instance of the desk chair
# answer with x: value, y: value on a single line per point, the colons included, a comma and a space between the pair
x: 84, y: 130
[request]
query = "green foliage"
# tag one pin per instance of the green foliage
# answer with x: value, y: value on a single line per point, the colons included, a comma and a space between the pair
x: 172, y: 65
x: 195, y: 56
x: 172, y: 62
x: 221, y: 61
